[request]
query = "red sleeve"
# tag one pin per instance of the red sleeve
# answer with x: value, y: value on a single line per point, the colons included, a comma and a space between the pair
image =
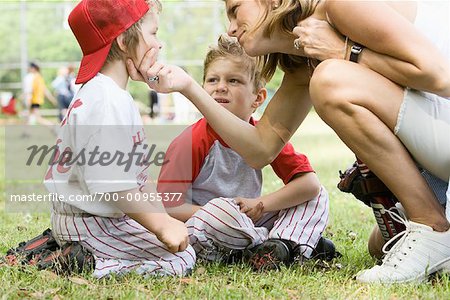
x: 182, y: 164
x: 289, y: 163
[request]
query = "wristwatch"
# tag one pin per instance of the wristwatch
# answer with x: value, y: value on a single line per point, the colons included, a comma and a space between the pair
x: 355, y: 51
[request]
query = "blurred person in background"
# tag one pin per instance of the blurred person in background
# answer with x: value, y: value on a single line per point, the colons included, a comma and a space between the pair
x: 63, y: 89
x: 34, y: 93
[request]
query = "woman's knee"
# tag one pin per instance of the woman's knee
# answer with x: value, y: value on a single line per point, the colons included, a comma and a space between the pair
x: 330, y: 86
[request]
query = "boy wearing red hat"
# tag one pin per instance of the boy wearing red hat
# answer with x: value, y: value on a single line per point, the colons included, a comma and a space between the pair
x: 122, y: 233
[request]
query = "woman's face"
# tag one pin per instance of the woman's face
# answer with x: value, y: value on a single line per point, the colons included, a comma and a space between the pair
x: 244, y: 16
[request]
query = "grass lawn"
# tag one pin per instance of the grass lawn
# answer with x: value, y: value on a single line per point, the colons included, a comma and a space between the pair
x: 349, y: 227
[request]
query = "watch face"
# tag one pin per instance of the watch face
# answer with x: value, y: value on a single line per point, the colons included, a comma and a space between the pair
x: 356, y: 49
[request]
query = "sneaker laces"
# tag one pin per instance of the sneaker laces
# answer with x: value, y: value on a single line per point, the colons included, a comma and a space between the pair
x: 394, y: 255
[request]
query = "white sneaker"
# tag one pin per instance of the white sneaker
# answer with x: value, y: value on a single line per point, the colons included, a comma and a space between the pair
x: 401, y: 210
x: 419, y: 252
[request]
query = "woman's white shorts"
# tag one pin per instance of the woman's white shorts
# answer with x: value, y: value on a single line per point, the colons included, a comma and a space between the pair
x: 423, y: 125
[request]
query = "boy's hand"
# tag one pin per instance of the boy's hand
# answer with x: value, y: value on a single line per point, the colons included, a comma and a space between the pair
x: 174, y: 235
x: 169, y: 78
x: 253, y: 208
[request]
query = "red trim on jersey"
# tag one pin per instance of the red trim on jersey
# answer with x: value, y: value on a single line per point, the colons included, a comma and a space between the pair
x: 186, y: 155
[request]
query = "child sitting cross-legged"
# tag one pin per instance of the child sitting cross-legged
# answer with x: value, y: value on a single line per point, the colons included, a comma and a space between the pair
x: 221, y: 202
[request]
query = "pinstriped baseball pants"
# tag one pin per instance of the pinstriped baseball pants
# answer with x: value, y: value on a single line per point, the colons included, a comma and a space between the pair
x: 120, y: 245
x: 219, y: 226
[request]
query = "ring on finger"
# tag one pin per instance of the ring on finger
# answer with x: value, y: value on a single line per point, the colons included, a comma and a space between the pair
x: 154, y: 78
x: 297, y: 44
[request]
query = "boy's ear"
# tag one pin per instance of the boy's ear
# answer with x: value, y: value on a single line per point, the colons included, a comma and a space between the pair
x: 121, y: 44
x: 261, y: 96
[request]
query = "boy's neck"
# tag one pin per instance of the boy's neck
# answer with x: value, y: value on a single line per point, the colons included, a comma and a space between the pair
x: 117, y: 71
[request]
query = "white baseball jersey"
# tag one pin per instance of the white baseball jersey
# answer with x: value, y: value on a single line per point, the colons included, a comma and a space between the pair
x: 103, y: 118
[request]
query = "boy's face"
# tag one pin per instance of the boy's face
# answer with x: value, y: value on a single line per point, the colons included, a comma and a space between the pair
x: 232, y: 87
x: 148, y: 39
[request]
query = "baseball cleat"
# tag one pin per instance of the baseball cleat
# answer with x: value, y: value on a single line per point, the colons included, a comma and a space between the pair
x: 71, y: 258
x: 28, y: 252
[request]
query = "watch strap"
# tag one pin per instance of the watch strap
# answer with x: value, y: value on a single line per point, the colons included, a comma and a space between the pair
x: 355, y: 51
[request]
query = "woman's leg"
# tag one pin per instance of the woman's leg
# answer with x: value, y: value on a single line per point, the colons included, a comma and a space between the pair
x: 439, y: 187
x: 362, y: 107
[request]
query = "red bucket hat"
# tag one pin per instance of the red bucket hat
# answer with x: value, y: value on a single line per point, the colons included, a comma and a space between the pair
x: 96, y: 23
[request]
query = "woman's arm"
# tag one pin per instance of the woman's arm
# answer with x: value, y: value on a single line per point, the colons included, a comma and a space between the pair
x: 396, y: 49
x: 259, y: 144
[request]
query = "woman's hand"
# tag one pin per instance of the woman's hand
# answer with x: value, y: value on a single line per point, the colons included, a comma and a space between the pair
x: 159, y: 77
x: 253, y: 208
x: 319, y: 40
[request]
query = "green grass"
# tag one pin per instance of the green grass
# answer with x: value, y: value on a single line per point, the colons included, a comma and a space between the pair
x: 309, y: 281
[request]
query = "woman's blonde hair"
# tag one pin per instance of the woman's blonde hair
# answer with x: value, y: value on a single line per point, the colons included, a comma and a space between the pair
x: 283, y: 18
x: 229, y: 48
x: 131, y: 36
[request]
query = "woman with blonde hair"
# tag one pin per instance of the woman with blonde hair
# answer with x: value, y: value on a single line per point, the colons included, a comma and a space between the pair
x: 378, y: 73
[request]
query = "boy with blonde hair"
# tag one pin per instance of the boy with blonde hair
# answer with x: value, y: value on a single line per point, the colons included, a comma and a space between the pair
x: 222, y: 203
x: 122, y: 233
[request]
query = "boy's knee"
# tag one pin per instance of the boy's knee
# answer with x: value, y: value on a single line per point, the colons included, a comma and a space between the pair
x: 216, y: 202
x: 180, y: 263
x: 221, y: 206
x: 188, y: 261
x: 219, y: 214
x: 323, y: 197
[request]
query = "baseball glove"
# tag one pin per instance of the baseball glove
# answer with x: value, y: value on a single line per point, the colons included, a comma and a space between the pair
x: 363, y: 188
